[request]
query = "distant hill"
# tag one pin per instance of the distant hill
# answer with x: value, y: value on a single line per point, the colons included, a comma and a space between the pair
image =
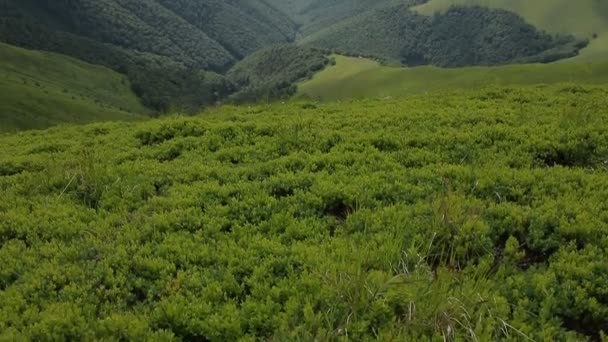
x: 315, y: 15
x: 461, y: 36
x: 354, y: 77
x: 208, y: 34
x: 582, y: 18
x: 188, y: 54
x: 40, y: 89
x: 161, y: 45
x: 271, y: 73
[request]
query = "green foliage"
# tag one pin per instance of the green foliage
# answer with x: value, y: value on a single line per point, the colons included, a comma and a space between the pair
x: 241, y: 27
x: 586, y: 19
x: 363, y: 78
x: 272, y: 73
x: 199, y: 34
x: 162, y: 46
x: 39, y: 89
x: 476, y: 215
x: 315, y: 15
x: 461, y: 36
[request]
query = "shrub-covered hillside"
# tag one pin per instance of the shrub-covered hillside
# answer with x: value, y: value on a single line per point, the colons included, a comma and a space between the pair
x: 457, y: 216
x: 459, y: 37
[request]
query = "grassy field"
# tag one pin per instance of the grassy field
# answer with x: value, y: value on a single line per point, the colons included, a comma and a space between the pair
x: 583, y: 18
x: 39, y: 89
x: 359, y: 77
x: 464, y: 216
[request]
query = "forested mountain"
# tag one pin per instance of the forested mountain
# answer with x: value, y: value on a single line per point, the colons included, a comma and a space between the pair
x: 209, y: 34
x: 177, y: 53
x: 315, y: 15
x: 271, y: 73
x: 162, y: 46
x: 582, y: 18
x: 459, y: 37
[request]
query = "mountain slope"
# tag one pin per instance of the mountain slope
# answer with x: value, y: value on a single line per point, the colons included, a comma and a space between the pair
x: 364, y: 78
x: 39, y: 89
x: 583, y: 18
x: 459, y: 37
x: 315, y: 15
x: 272, y: 73
x: 164, y: 47
x: 208, y: 34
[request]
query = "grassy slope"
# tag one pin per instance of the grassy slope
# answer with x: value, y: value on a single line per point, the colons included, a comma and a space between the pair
x: 360, y: 77
x: 470, y: 215
x: 39, y: 89
x: 582, y: 17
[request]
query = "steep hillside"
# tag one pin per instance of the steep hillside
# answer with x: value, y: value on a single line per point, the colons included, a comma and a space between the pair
x: 162, y: 46
x: 241, y: 26
x: 315, y: 15
x: 207, y: 34
x: 295, y: 9
x: 39, y: 89
x: 272, y: 73
x: 459, y: 37
x: 363, y: 78
x: 457, y: 216
x: 584, y: 18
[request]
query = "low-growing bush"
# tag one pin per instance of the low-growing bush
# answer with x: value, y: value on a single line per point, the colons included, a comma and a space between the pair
x: 475, y: 216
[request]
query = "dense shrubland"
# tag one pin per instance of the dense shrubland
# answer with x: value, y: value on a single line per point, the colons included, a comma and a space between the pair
x: 468, y: 216
x: 459, y: 37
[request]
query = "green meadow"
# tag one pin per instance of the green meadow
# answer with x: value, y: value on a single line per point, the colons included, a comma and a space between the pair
x: 40, y: 89
x: 353, y: 77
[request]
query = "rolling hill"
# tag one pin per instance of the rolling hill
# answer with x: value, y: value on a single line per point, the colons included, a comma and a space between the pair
x: 354, y: 77
x: 40, y: 89
x: 185, y: 55
x: 164, y: 47
x: 209, y: 34
x: 465, y: 202
x: 461, y: 36
x: 585, y: 18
